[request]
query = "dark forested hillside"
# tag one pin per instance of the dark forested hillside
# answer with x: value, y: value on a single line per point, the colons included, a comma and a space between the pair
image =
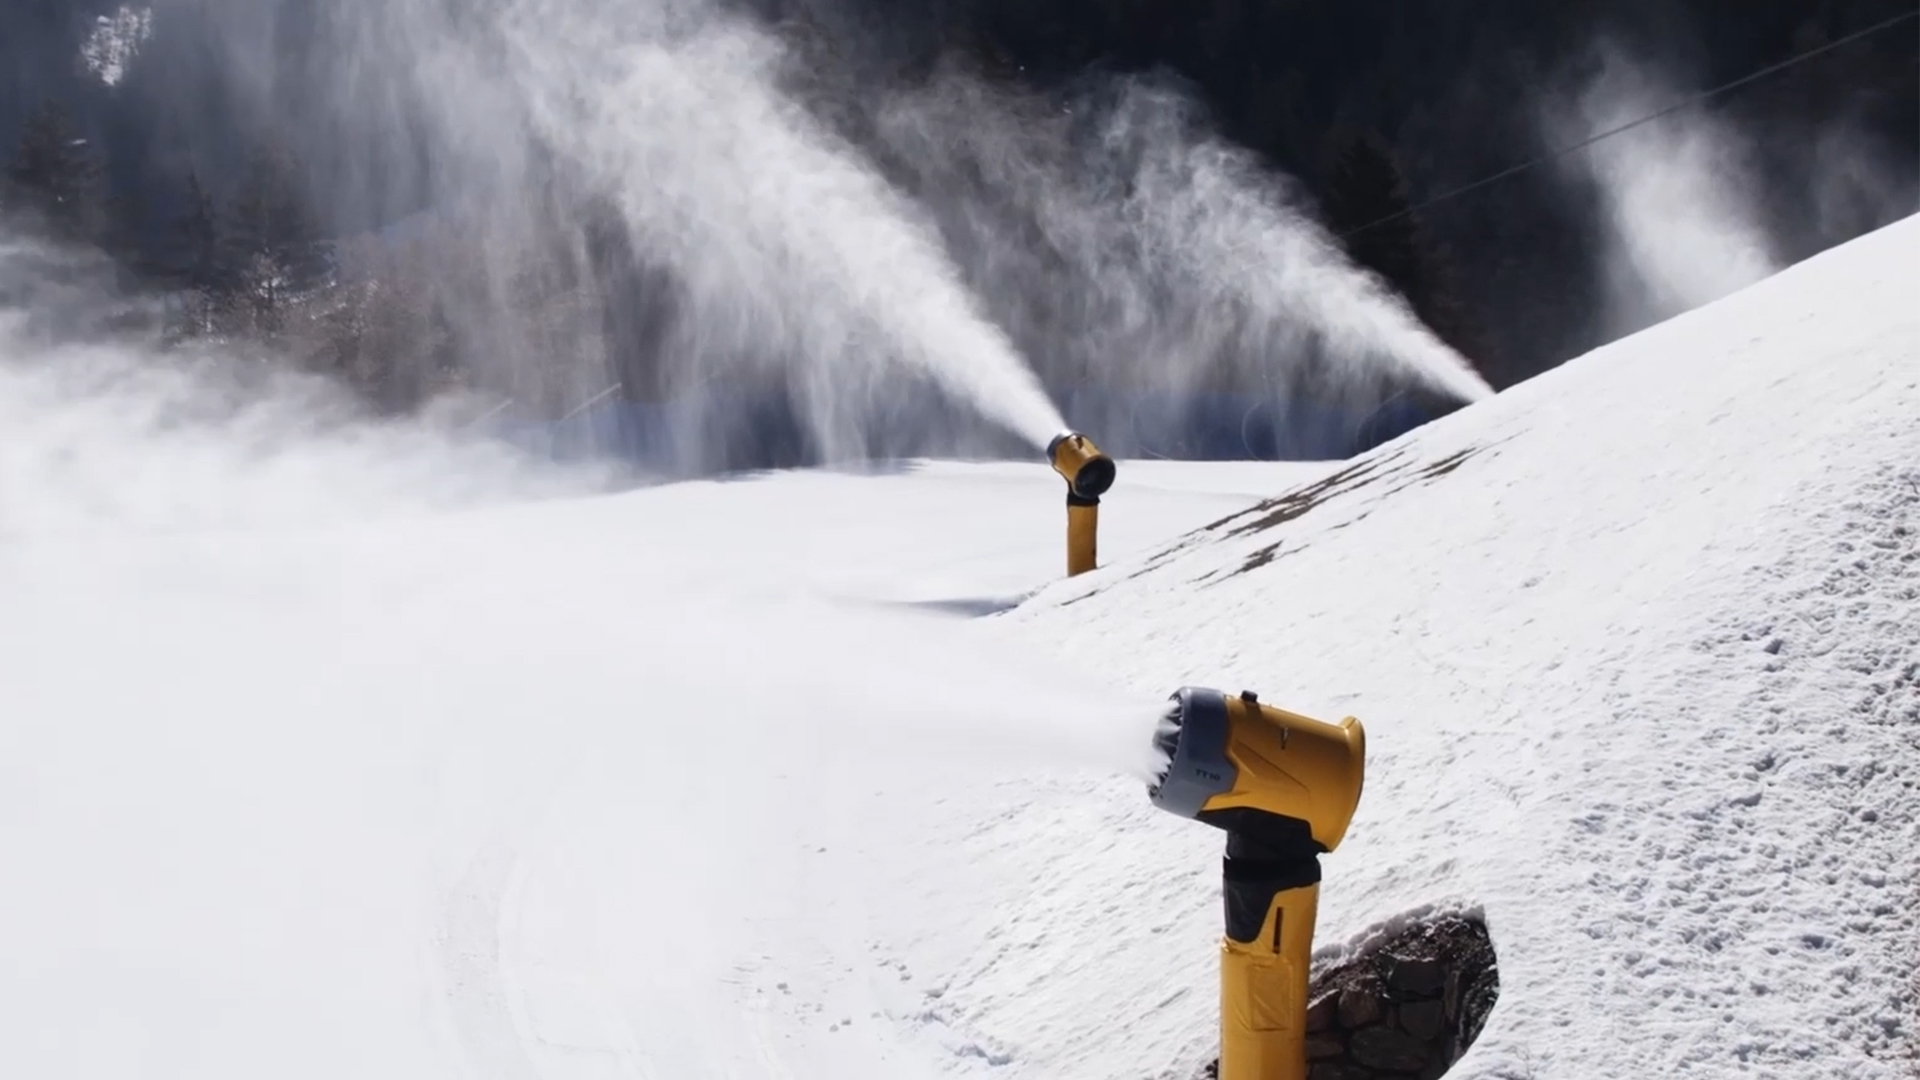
x: 229, y: 152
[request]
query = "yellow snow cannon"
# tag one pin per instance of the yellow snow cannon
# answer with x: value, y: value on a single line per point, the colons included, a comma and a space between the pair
x: 1283, y: 787
x: 1088, y: 473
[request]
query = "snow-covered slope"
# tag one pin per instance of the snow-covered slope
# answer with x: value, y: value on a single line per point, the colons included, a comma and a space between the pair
x: 708, y: 781
x: 1638, y: 645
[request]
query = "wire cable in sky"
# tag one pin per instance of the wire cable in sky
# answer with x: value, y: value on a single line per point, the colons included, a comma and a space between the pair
x: 1629, y: 126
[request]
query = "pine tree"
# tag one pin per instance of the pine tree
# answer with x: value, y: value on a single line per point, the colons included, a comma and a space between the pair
x: 269, y: 249
x: 55, y: 175
x: 191, y: 259
x: 194, y: 239
x: 1368, y: 207
x: 123, y: 230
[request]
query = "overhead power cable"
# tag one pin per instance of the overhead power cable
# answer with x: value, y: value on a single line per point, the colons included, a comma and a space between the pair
x: 1677, y: 106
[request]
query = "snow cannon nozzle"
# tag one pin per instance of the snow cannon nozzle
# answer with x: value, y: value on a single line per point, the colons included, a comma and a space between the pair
x: 1284, y: 787
x: 1088, y: 472
x: 1265, y: 775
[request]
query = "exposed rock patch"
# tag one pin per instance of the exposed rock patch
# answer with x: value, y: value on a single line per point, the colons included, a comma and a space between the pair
x: 1406, y: 1010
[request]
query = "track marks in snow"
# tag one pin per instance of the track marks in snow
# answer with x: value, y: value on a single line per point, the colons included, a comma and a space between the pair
x: 513, y: 1018
x: 1804, y: 706
x: 1398, y: 467
x: 468, y: 943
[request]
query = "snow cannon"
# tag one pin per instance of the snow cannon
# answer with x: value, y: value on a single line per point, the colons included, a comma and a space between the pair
x: 1283, y: 787
x: 1088, y: 473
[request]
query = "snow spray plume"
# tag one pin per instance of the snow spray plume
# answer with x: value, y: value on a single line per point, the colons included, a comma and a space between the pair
x: 1122, y: 243
x: 622, y: 195
x: 1679, y: 200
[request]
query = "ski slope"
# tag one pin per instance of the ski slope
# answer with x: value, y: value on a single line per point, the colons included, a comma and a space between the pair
x: 1638, y: 645
x: 333, y: 750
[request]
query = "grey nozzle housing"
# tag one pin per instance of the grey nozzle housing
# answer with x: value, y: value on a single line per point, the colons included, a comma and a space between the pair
x: 1194, y: 738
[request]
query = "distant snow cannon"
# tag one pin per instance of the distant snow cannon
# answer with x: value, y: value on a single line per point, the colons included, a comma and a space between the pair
x: 1088, y: 473
x: 1283, y: 787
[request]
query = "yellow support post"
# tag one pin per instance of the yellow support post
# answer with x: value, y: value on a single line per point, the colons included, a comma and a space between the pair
x: 1083, y: 535
x: 1263, y: 992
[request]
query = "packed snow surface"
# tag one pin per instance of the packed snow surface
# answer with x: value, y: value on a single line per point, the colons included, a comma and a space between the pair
x: 332, y: 752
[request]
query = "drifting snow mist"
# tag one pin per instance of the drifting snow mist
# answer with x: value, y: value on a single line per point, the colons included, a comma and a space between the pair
x: 1681, y: 203
x: 105, y: 433
x: 1127, y: 243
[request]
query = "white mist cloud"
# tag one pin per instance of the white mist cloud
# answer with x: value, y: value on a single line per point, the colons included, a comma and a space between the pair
x: 110, y: 435
x: 1680, y: 199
